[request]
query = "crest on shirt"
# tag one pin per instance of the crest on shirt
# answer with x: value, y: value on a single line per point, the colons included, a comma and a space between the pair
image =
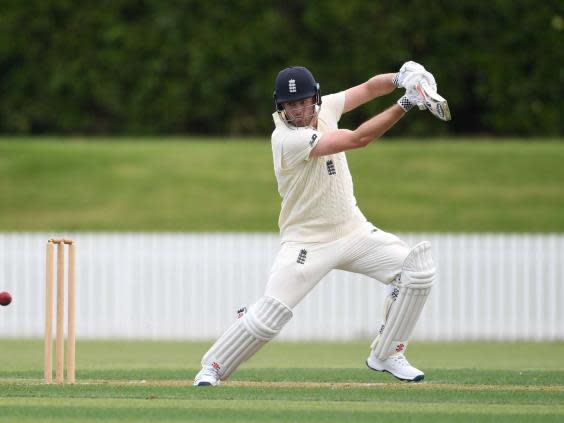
x: 292, y: 85
x: 331, y: 167
x: 302, y: 257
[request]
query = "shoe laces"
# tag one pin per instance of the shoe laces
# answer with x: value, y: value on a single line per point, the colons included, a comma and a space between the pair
x: 400, y: 360
x: 209, y: 371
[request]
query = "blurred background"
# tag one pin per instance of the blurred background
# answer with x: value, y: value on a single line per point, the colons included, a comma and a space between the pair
x: 140, y: 67
x: 141, y: 129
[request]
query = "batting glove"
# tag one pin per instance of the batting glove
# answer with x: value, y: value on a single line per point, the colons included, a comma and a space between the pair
x: 411, y: 74
x: 405, y: 104
x: 406, y: 69
x: 415, y: 78
x: 410, y: 99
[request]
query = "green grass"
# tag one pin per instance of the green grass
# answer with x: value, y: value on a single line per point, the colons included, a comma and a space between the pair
x: 290, y: 382
x: 79, y: 184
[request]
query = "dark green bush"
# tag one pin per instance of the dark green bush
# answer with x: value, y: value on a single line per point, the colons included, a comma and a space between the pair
x: 160, y: 67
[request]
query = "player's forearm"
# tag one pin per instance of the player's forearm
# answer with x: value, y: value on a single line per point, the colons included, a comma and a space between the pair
x: 344, y: 139
x: 379, y: 124
x: 376, y: 86
x: 380, y: 85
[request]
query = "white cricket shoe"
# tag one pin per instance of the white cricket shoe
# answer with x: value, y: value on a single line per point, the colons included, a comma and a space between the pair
x: 397, y: 365
x: 207, y: 377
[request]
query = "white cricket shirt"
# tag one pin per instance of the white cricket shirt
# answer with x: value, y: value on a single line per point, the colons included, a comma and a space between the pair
x: 318, y: 203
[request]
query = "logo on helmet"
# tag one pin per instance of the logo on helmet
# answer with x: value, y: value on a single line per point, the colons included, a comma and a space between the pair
x: 292, y: 85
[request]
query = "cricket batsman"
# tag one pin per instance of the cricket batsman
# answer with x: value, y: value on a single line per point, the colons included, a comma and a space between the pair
x: 321, y: 226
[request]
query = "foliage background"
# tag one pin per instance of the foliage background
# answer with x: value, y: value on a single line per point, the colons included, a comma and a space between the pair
x: 173, y: 67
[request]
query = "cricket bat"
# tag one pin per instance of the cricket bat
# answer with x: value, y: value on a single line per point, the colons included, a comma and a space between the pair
x: 436, y: 104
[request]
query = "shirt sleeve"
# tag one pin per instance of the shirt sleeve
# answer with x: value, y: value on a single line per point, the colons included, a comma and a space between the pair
x: 297, y: 146
x: 333, y: 105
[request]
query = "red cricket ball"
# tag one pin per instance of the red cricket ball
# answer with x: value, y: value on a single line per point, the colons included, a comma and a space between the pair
x: 5, y: 298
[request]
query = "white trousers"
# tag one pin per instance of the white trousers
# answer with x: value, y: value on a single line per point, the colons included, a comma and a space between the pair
x: 299, y: 266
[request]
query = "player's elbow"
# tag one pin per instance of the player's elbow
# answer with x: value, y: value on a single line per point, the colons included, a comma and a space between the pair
x: 338, y: 141
x: 353, y: 139
x: 359, y: 140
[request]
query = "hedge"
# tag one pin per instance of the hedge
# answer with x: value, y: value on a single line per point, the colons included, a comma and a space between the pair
x: 173, y: 67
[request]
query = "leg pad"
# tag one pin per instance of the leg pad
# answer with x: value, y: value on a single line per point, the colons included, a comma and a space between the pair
x: 414, y: 284
x: 247, y: 335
